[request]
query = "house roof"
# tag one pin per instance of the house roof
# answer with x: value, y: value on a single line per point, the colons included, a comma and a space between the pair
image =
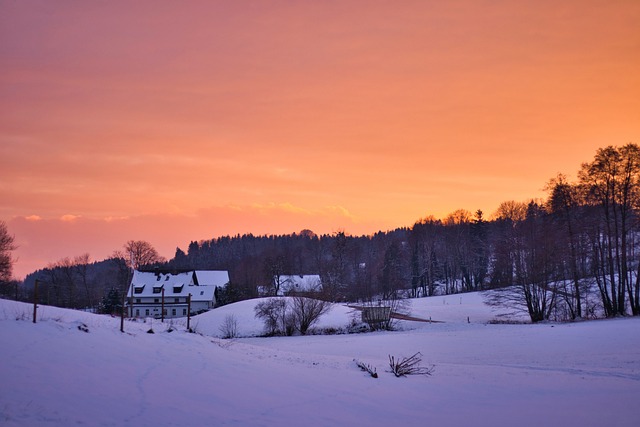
x: 151, y: 284
x: 300, y: 283
x: 212, y: 277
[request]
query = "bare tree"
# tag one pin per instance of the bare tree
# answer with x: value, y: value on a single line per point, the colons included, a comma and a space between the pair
x: 139, y: 253
x: 65, y: 280
x: 273, y: 312
x: 6, y: 246
x: 424, y: 239
x: 275, y: 268
x: 611, y: 182
x: 530, y: 258
x: 81, y: 263
x: 307, y: 311
x: 564, y: 204
x: 229, y: 327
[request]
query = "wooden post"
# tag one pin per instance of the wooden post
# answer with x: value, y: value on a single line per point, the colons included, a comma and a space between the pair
x: 162, y: 314
x: 131, y: 300
x: 189, y: 312
x: 35, y: 300
x: 124, y: 300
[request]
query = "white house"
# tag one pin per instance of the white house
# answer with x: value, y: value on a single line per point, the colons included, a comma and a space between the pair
x: 151, y: 291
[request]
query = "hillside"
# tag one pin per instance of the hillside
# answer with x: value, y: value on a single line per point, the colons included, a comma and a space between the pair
x: 55, y: 374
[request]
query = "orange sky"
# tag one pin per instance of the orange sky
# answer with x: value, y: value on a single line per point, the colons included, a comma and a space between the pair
x: 174, y: 121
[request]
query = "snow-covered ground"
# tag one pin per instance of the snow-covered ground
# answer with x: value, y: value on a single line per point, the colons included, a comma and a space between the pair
x: 54, y: 374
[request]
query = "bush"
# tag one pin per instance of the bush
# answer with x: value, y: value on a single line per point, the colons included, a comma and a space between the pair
x: 274, y: 314
x: 284, y: 316
x: 307, y: 311
x: 409, y: 366
x: 367, y: 368
x: 229, y: 327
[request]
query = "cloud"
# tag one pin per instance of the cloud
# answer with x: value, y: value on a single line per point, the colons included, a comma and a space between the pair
x: 69, y: 218
x: 33, y: 218
x: 116, y: 218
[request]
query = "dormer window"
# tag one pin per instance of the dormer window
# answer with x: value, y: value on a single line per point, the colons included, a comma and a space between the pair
x: 138, y: 289
x: 177, y: 289
x: 157, y: 289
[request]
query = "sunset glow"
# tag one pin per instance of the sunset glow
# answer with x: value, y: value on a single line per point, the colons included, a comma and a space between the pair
x: 177, y: 121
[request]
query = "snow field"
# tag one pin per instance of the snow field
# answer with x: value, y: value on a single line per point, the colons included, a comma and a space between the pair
x: 54, y: 374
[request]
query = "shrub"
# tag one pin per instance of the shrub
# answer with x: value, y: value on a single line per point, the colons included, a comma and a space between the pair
x: 229, y: 327
x: 409, y: 366
x: 273, y: 312
x: 367, y: 368
x: 307, y: 311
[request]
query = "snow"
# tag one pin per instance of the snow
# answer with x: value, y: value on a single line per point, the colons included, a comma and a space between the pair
x: 54, y: 374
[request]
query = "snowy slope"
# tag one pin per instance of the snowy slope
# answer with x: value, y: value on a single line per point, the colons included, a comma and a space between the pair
x: 54, y: 374
x: 461, y: 308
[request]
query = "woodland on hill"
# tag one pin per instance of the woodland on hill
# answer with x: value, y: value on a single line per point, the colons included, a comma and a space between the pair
x: 574, y: 255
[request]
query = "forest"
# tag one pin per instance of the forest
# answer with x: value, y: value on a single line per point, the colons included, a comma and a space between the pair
x: 573, y: 255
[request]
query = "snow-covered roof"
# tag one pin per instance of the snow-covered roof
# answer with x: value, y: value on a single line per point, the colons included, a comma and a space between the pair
x: 300, y: 283
x: 151, y: 284
x: 144, y: 278
x: 212, y: 277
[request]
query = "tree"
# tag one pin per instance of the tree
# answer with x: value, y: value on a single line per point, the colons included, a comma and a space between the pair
x: 307, y: 311
x: 275, y: 268
x: 273, y: 312
x: 335, y: 273
x: 81, y: 263
x: 424, y: 239
x: 611, y: 182
x: 564, y: 204
x: 139, y: 253
x: 527, y: 254
x: 393, y: 277
x: 112, y: 302
x: 6, y: 261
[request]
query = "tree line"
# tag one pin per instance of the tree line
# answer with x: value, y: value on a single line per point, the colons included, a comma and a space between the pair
x: 574, y: 254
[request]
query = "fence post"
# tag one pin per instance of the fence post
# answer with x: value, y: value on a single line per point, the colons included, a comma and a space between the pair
x: 124, y: 300
x: 35, y: 300
x: 162, y: 314
x: 189, y: 312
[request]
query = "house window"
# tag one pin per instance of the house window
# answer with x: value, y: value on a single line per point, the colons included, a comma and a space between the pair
x: 184, y: 311
x: 137, y: 312
x: 164, y: 312
x: 146, y: 312
x: 157, y: 289
x: 138, y: 290
x: 177, y: 300
x: 173, y: 312
x: 177, y: 289
x: 138, y: 300
x: 156, y: 300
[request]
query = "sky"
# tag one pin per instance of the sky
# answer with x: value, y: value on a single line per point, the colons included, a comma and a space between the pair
x: 173, y: 122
